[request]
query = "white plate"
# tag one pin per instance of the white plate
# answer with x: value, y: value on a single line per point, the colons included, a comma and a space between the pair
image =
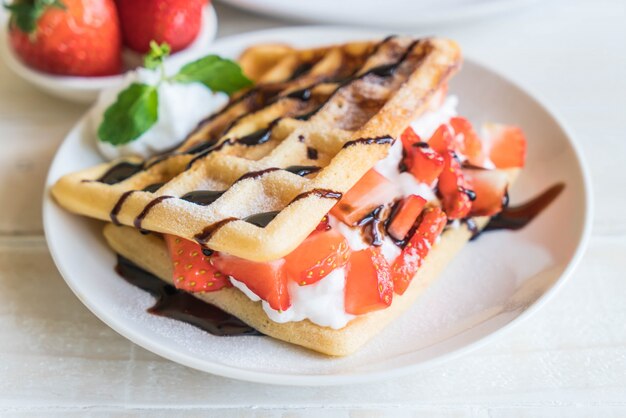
x: 86, y: 89
x: 496, y: 280
x: 407, y: 14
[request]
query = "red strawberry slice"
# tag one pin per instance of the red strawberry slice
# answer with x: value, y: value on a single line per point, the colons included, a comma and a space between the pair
x: 266, y: 280
x: 193, y: 271
x: 442, y: 140
x: 372, y: 190
x: 405, y: 215
x: 409, y: 138
x: 505, y: 145
x: 318, y: 255
x: 425, y: 164
x: 455, y: 191
x: 469, y: 142
x: 412, y: 257
x: 490, y: 187
x: 368, y: 282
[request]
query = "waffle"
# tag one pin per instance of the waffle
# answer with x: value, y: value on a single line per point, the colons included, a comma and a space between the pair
x: 266, y: 169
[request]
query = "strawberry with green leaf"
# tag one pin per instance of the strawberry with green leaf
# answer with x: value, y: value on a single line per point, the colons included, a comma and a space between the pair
x: 67, y: 37
x: 136, y: 109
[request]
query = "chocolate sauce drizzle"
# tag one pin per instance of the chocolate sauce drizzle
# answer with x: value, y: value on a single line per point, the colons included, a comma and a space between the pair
x: 182, y: 306
x: 202, y: 197
x: 153, y: 187
x: 372, y: 223
x: 387, y: 70
x: 142, y: 215
x: 201, y: 147
x: 301, y: 70
x: 381, y: 140
x: 118, y: 207
x: 322, y: 193
x: 303, y: 94
x: 517, y: 217
x: 303, y: 170
x: 203, y: 237
x: 120, y: 172
x: 262, y: 219
x: 256, y: 174
x: 256, y: 138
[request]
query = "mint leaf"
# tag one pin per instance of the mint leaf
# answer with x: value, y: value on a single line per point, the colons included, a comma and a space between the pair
x: 216, y: 73
x: 157, y: 54
x: 134, y: 112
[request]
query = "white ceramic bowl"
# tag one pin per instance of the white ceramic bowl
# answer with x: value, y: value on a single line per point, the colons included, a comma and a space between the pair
x: 494, y: 282
x: 86, y: 89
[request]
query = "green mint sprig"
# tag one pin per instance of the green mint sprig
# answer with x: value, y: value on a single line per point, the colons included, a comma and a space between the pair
x: 136, y: 108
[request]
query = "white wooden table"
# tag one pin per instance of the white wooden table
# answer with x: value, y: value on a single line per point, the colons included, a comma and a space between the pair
x: 567, y: 360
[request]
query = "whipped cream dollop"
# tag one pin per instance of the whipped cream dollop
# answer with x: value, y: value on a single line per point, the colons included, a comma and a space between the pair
x: 323, y: 301
x: 181, y: 108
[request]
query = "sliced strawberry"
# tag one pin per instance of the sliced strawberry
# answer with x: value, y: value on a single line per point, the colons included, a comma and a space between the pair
x: 368, y: 282
x: 318, y: 255
x: 425, y: 164
x: 442, y: 140
x: 409, y: 138
x: 266, y: 280
x: 455, y: 191
x: 372, y: 190
x: 420, y: 160
x: 193, y: 271
x: 505, y: 145
x: 470, y: 144
x: 405, y: 215
x: 410, y: 260
x: 490, y: 187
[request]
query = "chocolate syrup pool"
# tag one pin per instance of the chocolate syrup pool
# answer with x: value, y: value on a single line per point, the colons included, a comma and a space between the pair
x: 517, y: 217
x: 182, y: 306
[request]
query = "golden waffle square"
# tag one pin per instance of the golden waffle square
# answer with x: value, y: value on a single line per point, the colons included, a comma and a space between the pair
x: 256, y: 178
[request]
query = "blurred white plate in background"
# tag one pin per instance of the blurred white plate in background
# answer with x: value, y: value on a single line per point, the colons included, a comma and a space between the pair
x: 405, y: 14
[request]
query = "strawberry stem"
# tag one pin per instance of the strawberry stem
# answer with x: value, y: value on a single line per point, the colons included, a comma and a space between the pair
x: 25, y: 14
x: 156, y: 56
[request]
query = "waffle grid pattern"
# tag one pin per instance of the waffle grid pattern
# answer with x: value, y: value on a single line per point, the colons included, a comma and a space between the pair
x: 334, y: 108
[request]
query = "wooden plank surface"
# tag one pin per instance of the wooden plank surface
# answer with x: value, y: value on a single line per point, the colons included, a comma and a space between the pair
x: 569, y: 359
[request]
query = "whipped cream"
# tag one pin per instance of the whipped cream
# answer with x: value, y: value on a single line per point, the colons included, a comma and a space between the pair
x: 426, y: 125
x: 181, y: 108
x: 405, y: 182
x: 323, y: 301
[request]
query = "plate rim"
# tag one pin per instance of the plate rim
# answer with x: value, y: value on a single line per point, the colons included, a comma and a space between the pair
x: 359, y: 376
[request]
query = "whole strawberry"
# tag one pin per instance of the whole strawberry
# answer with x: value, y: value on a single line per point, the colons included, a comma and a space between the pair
x: 175, y: 22
x: 67, y: 37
